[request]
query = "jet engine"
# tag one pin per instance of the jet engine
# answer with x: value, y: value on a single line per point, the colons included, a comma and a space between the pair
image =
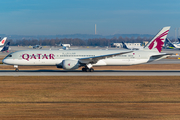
x: 70, y: 64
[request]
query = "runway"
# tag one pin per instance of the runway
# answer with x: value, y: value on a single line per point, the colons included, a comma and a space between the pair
x: 95, y: 73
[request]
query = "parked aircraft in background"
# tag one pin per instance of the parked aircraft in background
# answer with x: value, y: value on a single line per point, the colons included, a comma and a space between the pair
x: 37, y: 47
x: 73, y: 59
x: 64, y: 46
x: 132, y: 48
x: 5, y: 48
x: 172, y: 45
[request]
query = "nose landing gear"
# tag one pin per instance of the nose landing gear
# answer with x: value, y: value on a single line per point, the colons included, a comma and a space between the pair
x: 16, y: 66
x: 16, y: 69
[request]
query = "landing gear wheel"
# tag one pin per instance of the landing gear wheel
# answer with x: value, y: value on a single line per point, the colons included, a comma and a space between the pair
x: 91, y: 70
x: 87, y: 70
x: 16, y: 69
x: 84, y: 69
x: 16, y: 66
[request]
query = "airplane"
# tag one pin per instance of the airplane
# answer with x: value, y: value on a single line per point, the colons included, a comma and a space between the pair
x: 64, y: 46
x: 73, y: 59
x: 132, y: 48
x: 37, y: 47
x: 5, y: 47
x: 173, y: 45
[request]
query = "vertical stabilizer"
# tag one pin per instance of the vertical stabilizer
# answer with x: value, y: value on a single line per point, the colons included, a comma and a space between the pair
x: 157, y: 42
x: 124, y: 45
x: 3, y: 41
x: 6, y: 47
x: 179, y: 40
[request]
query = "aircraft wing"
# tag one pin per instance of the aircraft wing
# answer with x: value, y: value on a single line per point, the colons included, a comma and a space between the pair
x: 95, y: 59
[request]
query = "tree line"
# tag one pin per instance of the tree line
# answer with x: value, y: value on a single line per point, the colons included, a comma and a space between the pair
x: 77, y: 42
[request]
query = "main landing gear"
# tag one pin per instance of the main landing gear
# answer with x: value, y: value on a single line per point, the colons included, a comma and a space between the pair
x: 16, y: 66
x: 87, y: 69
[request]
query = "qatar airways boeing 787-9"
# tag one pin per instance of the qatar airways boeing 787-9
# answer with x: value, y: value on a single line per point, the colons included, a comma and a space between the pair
x: 73, y: 59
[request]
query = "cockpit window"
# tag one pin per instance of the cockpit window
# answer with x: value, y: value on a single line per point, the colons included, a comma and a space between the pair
x: 9, y: 56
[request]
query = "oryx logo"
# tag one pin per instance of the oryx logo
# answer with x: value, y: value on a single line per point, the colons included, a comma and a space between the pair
x: 158, y: 42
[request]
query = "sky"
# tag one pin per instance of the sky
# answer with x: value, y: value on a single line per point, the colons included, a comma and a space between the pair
x: 52, y: 17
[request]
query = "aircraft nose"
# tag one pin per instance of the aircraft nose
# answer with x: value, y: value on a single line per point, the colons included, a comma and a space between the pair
x: 4, y: 61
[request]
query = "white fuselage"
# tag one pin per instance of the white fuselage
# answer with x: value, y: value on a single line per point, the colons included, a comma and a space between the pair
x: 55, y: 57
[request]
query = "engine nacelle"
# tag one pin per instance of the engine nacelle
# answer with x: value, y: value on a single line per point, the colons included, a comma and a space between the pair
x: 70, y: 64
